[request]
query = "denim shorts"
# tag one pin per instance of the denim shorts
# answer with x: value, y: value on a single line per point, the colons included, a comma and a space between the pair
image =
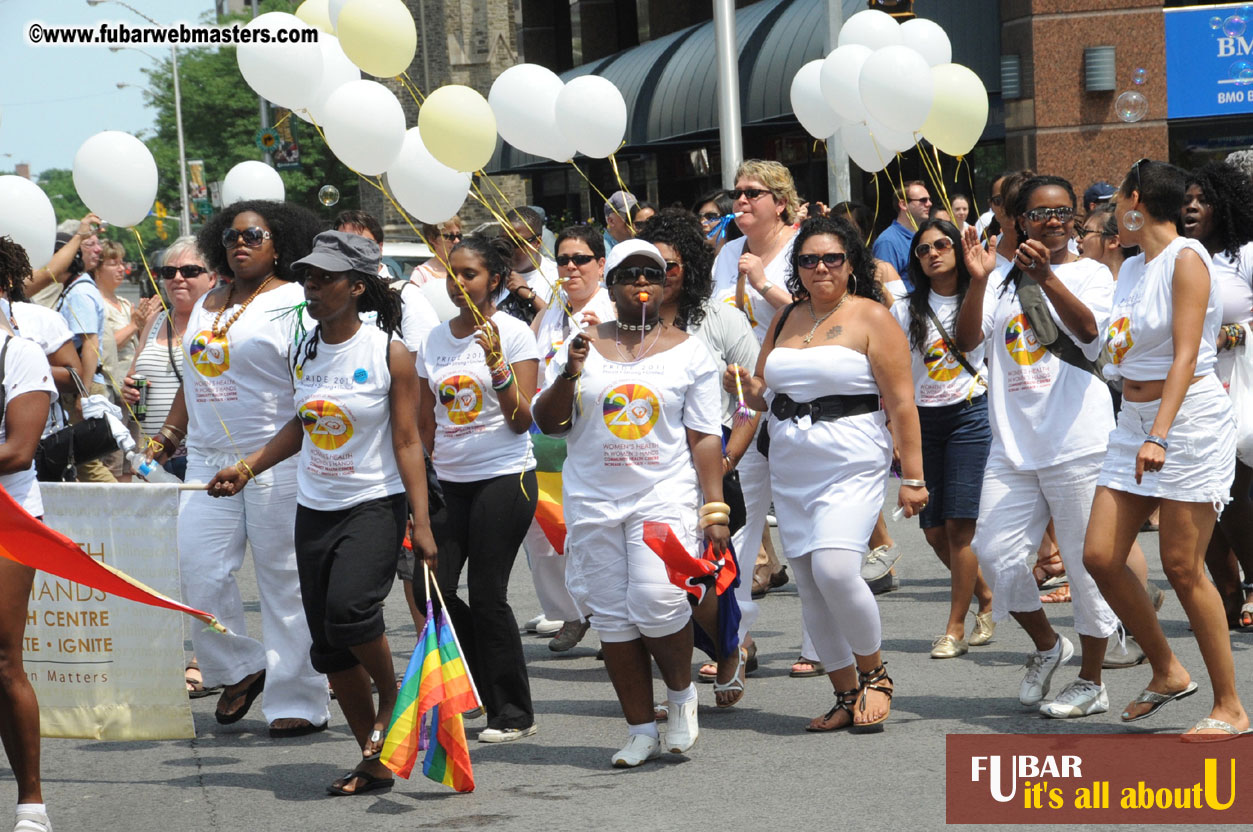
x: 955, y: 443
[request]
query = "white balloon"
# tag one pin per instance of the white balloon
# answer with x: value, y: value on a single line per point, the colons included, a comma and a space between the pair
x: 26, y: 215
x: 838, y: 79
x: 871, y: 28
x: 894, y: 140
x: 897, y: 88
x: 335, y: 7
x: 592, y: 113
x: 810, y: 107
x: 425, y: 187
x: 116, y: 177
x: 252, y: 180
x: 365, y: 126
x: 869, y: 155
x: 337, y: 70
x: 524, y: 100
x: 928, y: 39
x: 286, y: 73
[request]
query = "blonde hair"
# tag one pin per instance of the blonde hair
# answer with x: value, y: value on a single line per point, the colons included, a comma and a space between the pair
x: 431, y: 230
x: 775, y: 177
x: 112, y: 250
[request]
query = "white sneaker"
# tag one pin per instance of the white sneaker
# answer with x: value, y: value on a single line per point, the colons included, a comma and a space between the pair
x: 506, y: 734
x: 638, y: 750
x: 1079, y: 698
x: 32, y: 822
x: 1123, y: 651
x: 681, y: 727
x: 543, y: 626
x: 1041, y: 665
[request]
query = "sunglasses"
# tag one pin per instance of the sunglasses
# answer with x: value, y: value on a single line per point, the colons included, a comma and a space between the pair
x: 673, y: 268
x: 926, y: 200
x: 997, y: 200
x: 750, y: 193
x: 1062, y: 214
x: 626, y: 275
x: 1082, y: 233
x: 577, y: 259
x: 188, y: 272
x: 711, y: 216
x: 941, y: 245
x: 832, y: 260
x: 452, y: 236
x: 252, y: 236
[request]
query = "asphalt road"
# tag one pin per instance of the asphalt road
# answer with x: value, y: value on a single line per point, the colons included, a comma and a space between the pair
x: 753, y: 768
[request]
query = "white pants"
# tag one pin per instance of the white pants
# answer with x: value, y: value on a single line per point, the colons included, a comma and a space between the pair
x: 837, y: 606
x: 1014, y: 511
x: 212, y: 533
x: 548, y: 573
x: 755, y: 481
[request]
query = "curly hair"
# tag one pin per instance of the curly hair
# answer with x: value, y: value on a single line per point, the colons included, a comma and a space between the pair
x: 1229, y: 193
x: 920, y: 297
x: 864, y: 284
x: 1022, y: 197
x: 292, y: 227
x: 681, y: 231
x: 14, y: 266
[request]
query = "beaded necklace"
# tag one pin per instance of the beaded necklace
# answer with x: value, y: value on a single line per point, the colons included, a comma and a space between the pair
x: 230, y: 292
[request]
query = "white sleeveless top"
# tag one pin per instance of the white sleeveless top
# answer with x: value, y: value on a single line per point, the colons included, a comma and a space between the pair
x: 827, y: 370
x: 726, y: 273
x: 1234, y: 276
x: 1139, y: 340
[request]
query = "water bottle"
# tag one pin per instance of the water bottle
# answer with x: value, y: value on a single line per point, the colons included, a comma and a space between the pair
x: 149, y: 469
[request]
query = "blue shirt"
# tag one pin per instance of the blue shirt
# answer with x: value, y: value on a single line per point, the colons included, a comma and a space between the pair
x: 892, y: 246
x: 83, y: 309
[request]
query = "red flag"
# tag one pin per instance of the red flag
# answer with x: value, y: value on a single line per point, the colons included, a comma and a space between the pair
x: 693, y: 574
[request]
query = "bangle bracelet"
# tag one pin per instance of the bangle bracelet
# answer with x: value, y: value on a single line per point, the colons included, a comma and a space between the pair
x: 1158, y: 441
x: 245, y: 469
x: 717, y: 518
x: 712, y: 508
x: 570, y: 377
x: 914, y: 483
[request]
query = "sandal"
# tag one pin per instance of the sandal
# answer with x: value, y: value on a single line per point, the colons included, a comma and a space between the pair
x: 1061, y: 595
x: 369, y: 783
x: 871, y: 680
x: 844, y: 701
x: 376, y: 742
x: 1246, y: 610
x: 195, y: 683
x: 815, y: 668
x: 761, y: 580
x: 248, y: 694
x: 708, y: 672
x: 1049, y: 573
x: 736, y: 685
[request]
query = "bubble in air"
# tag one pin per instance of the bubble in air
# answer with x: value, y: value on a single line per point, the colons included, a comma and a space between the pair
x: 1234, y: 26
x: 1131, y: 106
x: 1242, y: 72
x: 1216, y: 22
x: 328, y: 195
x: 1140, y: 76
x: 1133, y: 220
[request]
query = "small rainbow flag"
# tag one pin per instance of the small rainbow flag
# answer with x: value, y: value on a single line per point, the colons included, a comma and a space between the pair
x: 550, y: 457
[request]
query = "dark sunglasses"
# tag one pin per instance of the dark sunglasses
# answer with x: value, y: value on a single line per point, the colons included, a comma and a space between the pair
x: 711, y: 216
x: 941, y: 245
x: 252, y: 236
x: 1082, y: 233
x: 832, y: 260
x: 577, y: 259
x: 190, y: 271
x: 673, y: 267
x: 1136, y: 170
x: 452, y: 236
x: 1062, y: 214
x: 750, y: 193
x: 626, y: 275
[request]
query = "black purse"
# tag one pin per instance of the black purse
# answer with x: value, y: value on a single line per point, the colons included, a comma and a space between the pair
x: 61, y: 450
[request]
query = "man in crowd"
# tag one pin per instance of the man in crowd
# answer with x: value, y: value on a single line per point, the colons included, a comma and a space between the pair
x: 620, y: 212
x: 913, y: 205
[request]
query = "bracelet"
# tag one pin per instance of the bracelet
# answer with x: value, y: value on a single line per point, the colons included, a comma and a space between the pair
x: 765, y: 287
x: 245, y: 470
x: 1235, y: 335
x: 717, y: 518
x: 914, y: 483
x: 1158, y: 441
x: 714, y: 508
x: 503, y: 384
x: 501, y: 373
x: 566, y: 375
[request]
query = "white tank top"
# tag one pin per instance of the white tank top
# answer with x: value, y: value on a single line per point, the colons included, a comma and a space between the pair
x: 827, y: 370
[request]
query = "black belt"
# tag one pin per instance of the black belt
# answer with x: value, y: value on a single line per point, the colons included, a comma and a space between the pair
x: 824, y: 408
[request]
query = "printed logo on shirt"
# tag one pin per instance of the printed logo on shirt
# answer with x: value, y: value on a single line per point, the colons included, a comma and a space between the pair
x: 1021, y: 342
x: 463, y: 398
x: 329, y: 426
x: 210, y: 356
x: 748, y: 305
x: 630, y: 411
x: 941, y: 366
x: 1118, y: 339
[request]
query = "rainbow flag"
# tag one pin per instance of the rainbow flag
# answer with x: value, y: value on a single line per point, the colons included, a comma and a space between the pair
x: 550, y: 457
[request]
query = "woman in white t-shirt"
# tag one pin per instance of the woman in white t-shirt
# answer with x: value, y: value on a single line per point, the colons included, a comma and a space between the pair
x: 951, y: 394
x: 356, y: 431
x: 1050, y: 424
x: 639, y: 405
x: 25, y: 395
x: 1174, y: 446
x: 476, y: 374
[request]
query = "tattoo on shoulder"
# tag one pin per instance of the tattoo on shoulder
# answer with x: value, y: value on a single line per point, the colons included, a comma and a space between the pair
x: 834, y: 332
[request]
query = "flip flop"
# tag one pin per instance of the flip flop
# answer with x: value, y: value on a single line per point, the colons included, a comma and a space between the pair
x: 249, y: 695
x: 369, y: 783
x: 815, y: 668
x: 1230, y: 732
x: 195, y: 685
x: 302, y: 730
x: 1157, y: 700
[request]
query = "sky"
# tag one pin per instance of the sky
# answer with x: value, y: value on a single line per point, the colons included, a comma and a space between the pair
x: 53, y: 98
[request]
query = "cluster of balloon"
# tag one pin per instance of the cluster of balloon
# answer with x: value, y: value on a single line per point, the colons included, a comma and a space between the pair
x: 887, y: 83
x: 538, y: 114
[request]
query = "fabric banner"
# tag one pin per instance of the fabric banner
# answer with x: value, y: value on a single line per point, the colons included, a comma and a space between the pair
x: 104, y: 667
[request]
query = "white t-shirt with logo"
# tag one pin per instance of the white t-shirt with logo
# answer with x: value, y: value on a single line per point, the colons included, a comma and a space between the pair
x: 26, y: 370
x: 241, y: 381
x: 629, y: 424
x: 1044, y: 411
x: 41, y: 325
x: 756, y: 307
x: 417, y: 317
x: 472, y: 440
x: 342, y: 397
x: 1234, y: 276
x: 939, y: 378
x: 555, y: 328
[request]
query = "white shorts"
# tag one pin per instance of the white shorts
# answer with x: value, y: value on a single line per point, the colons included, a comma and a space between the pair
x: 1201, y: 460
x: 618, y: 582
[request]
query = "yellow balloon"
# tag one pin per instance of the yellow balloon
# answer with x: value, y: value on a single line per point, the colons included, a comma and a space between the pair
x: 959, y: 111
x: 378, y: 35
x: 458, y: 127
x: 317, y: 13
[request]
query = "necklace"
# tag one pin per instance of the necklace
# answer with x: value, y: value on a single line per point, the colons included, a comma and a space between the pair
x: 643, y: 354
x: 645, y: 327
x: 818, y: 321
x: 230, y: 292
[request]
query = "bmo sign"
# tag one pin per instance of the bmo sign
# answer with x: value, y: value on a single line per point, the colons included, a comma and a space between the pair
x: 1209, y: 61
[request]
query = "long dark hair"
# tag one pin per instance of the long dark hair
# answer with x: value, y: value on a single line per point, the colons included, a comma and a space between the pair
x: 377, y: 298
x: 292, y: 229
x: 681, y: 231
x: 14, y: 266
x: 495, y: 252
x: 862, y: 276
x: 725, y: 205
x: 1229, y: 193
x: 920, y: 298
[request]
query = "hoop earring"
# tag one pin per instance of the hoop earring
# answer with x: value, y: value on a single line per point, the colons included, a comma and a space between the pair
x: 853, y: 279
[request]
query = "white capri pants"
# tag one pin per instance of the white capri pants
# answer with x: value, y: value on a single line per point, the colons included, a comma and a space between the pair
x: 1014, y: 511
x: 212, y: 533
x: 617, y: 581
x: 754, y: 472
x: 548, y: 574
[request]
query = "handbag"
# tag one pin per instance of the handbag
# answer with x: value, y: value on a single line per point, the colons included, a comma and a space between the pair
x: 1050, y: 335
x: 1241, y: 391
x: 61, y: 450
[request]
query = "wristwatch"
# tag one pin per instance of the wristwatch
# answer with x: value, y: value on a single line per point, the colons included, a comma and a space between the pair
x: 765, y: 287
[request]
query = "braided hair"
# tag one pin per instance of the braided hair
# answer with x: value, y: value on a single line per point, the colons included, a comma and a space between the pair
x: 680, y: 230
x: 14, y: 266
x: 377, y: 298
x: 1229, y: 193
x: 862, y: 276
x: 292, y: 229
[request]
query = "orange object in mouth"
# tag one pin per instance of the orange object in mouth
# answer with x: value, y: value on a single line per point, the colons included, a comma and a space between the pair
x: 643, y: 297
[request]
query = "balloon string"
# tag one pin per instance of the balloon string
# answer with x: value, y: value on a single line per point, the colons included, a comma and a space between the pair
x: 506, y: 226
x: 877, y: 196
x: 622, y: 186
x: 900, y: 178
x: 614, y: 163
x: 411, y: 88
x: 286, y: 116
x: 936, y: 173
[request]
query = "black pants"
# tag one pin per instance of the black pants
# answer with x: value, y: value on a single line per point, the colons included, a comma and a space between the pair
x: 482, y: 525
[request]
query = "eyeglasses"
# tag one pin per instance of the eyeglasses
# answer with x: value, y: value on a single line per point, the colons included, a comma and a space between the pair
x: 750, y: 193
x: 710, y: 216
x: 1136, y: 170
x: 452, y: 236
x: 578, y: 259
x: 996, y: 200
x: 252, y: 236
x: 1082, y: 233
x: 1062, y: 214
x: 832, y: 260
x: 941, y: 245
x: 926, y: 200
x: 626, y: 275
x: 188, y: 271
x: 673, y: 267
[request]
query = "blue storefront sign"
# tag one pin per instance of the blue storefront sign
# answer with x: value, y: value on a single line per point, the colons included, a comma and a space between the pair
x: 1209, y: 61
